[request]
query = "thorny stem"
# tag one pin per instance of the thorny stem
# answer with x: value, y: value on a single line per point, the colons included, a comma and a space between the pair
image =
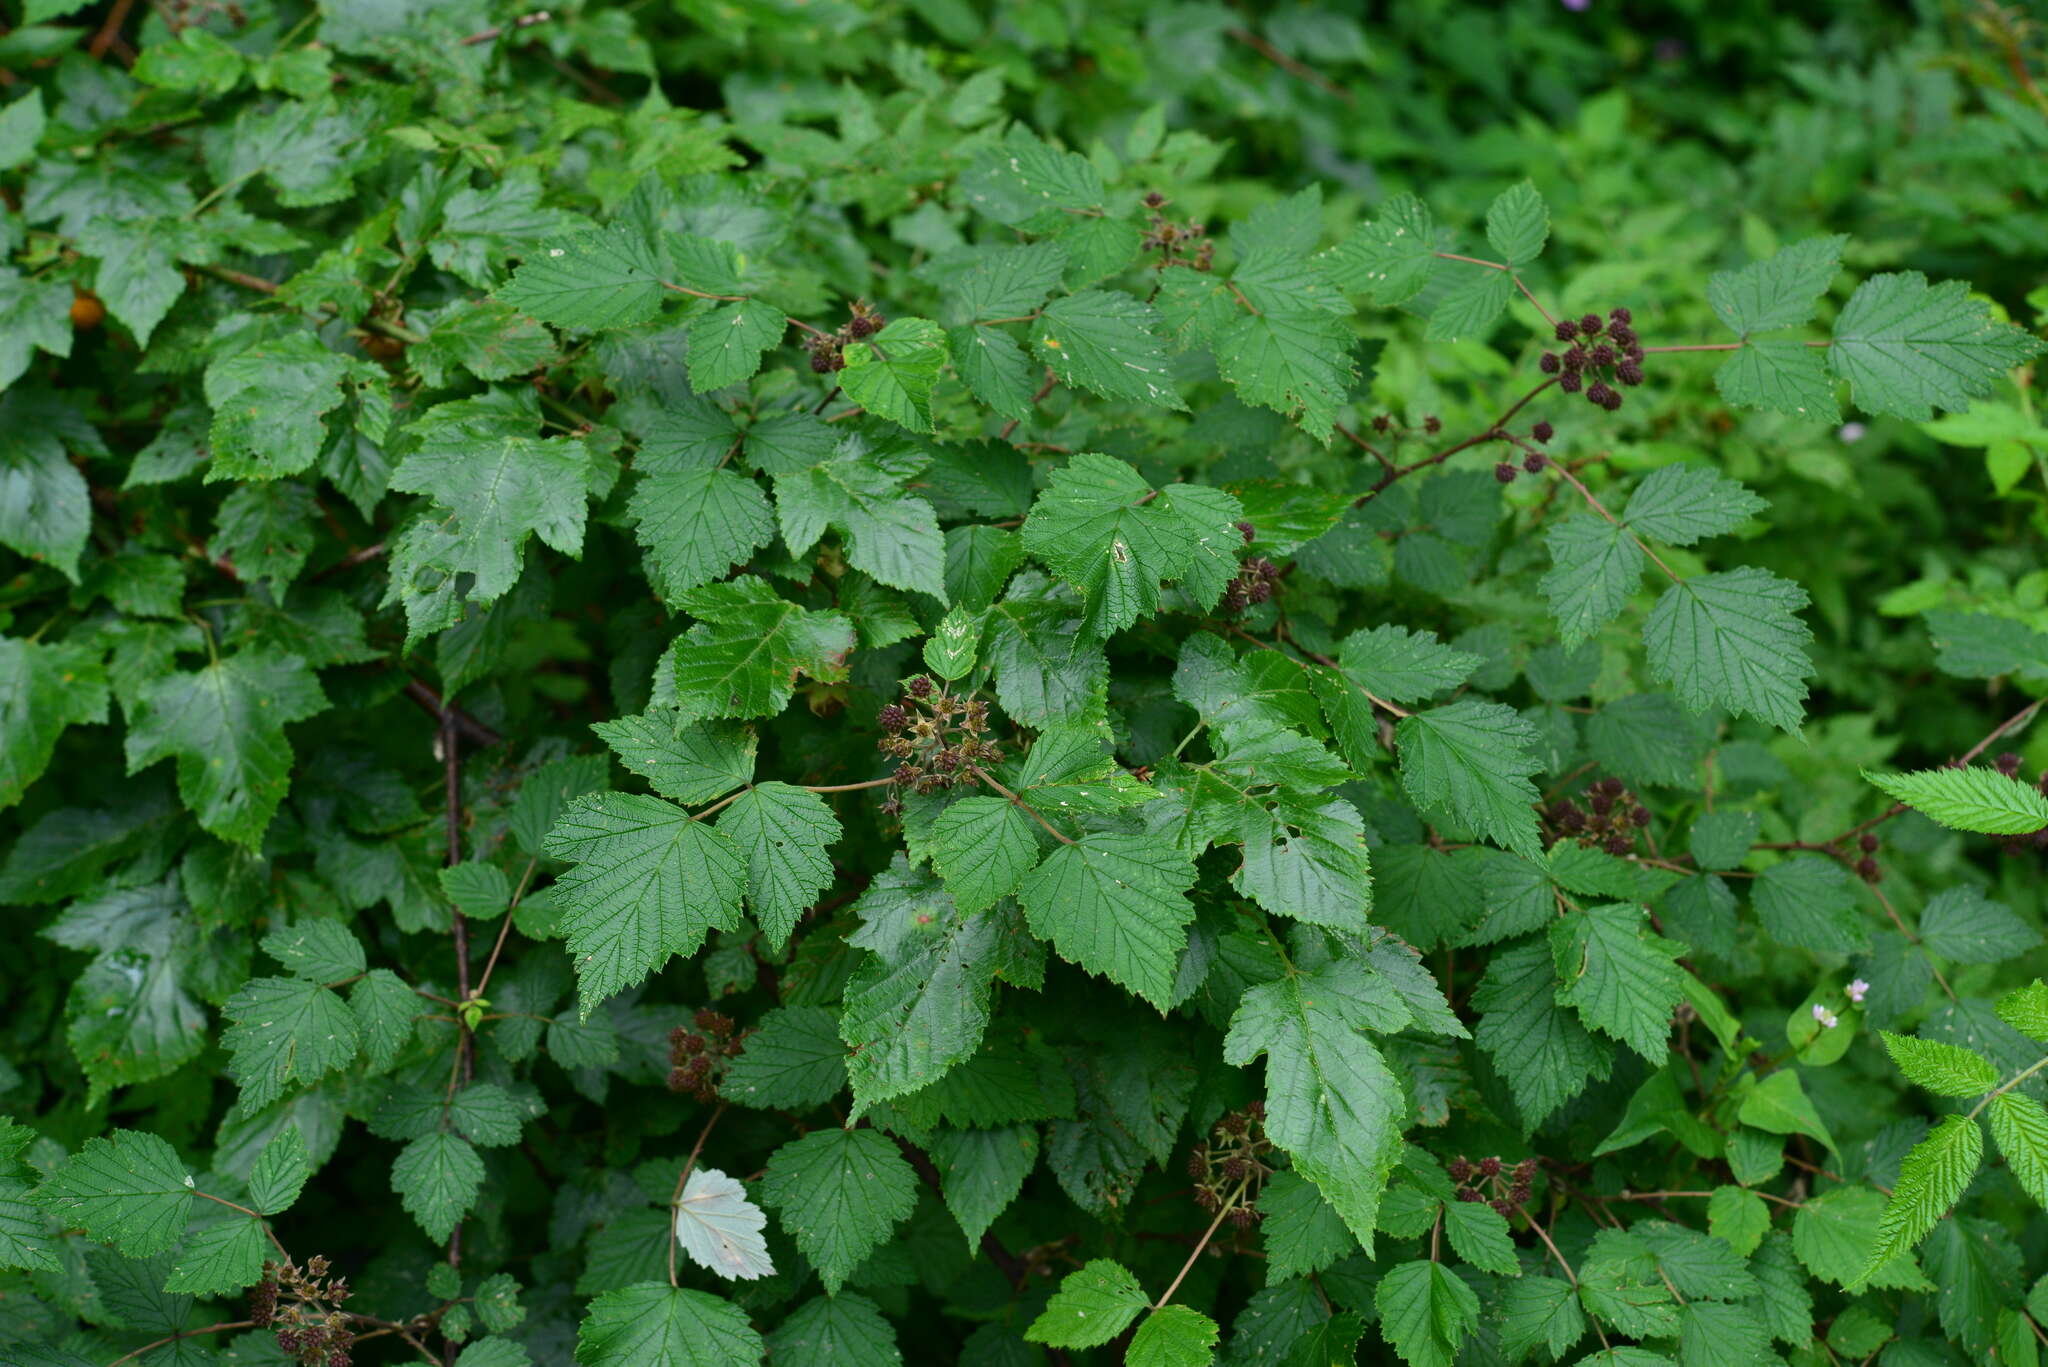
x: 684, y: 1176
x: 1029, y: 810
x: 1200, y: 1244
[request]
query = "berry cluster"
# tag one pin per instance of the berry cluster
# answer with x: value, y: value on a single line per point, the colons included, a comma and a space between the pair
x: 2009, y: 765
x: 937, y: 736
x: 308, y: 1330
x: 1509, y: 1188
x: 1234, y: 1157
x: 1866, y: 864
x: 1172, y: 240
x: 1610, y: 819
x: 1533, y: 462
x: 828, y: 349
x: 1581, y: 365
x: 698, y: 1061
x: 1256, y: 580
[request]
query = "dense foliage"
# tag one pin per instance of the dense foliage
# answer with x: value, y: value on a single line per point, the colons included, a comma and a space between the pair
x: 1049, y: 683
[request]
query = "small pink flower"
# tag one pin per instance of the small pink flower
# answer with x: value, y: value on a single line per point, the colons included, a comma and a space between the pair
x: 1824, y: 1016
x: 1856, y: 991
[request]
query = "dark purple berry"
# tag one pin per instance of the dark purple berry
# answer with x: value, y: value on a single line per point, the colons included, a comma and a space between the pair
x: 1247, y: 531
x: 1154, y: 200
x: 1591, y: 325
x: 1543, y: 431
x: 821, y: 362
x: 1868, y: 844
x: 1534, y: 462
x: 1602, y: 355
x: 1629, y: 373
x: 892, y: 718
x: 1467, y: 1195
x: 1617, y: 845
x: 2007, y: 763
x: 1574, y: 361
x: 1548, y: 363
x: 1639, y: 816
x: 1432, y: 424
x: 1571, y: 382
x: 1612, y: 403
x: 1489, y: 1167
x: 1566, y: 330
x: 1459, y: 1169
x: 1868, y: 871
x: 919, y: 687
x: 1622, y: 336
x: 1620, y: 315
x: 864, y: 325
x: 1504, y: 472
x: 1597, y: 392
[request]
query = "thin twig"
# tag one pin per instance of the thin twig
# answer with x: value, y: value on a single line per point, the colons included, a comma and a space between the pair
x: 108, y: 32
x: 223, y: 1327
x: 1290, y: 65
x: 1201, y: 1244
x: 1050, y: 380
x: 676, y: 1198
x: 524, y: 21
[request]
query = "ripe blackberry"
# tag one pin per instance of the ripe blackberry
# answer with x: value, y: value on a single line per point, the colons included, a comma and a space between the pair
x: 1247, y: 531
x: 2007, y: 763
x: 1612, y: 403
x: 1432, y: 424
x: 1868, y: 871
x: 1622, y: 336
x: 864, y: 325
x: 919, y: 687
x: 1504, y: 472
x: 1548, y: 363
x: 821, y: 362
x: 1489, y: 1167
x: 1534, y: 462
x: 1571, y: 382
x: 1868, y: 843
x: 1597, y: 392
x: 1621, y: 316
x: 1590, y: 325
x: 1154, y: 200
x: 1460, y: 1169
x: 1543, y: 431
x: 1566, y: 329
x: 1629, y: 373
x: 1602, y: 355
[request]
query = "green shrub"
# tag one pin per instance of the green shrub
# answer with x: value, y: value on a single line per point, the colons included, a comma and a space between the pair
x: 1072, y: 683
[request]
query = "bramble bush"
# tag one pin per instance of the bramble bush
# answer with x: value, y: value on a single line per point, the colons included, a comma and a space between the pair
x: 1058, y: 684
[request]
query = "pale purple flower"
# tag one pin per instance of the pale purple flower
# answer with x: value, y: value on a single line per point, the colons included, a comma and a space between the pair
x: 1852, y: 431
x: 1856, y: 991
x: 1824, y: 1016
x: 1578, y: 6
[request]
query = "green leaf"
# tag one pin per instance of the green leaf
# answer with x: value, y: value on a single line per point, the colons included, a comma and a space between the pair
x: 648, y: 883
x: 45, y: 510
x: 268, y: 401
x: 891, y: 374
x: 1779, y: 291
x: 280, y: 1172
x: 1518, y: 224
x: 384, y: 1008
x: 1809, y: 901
x: 846, y: 1330
x: 950, y: 649
x: 652, y: 1324
x: 727, y: 343
x: 1943, y: 1069
x: 1404, y: 666
x: 1779, y: 1104
x: 1116, y: 905
x: 1107, y: 342
x: 1596, y: 569
x: 1332, y: 1102
x: 1739, y: 1217
x: 1091, y: 1307
x: 1021, y: 177
x: 437, y: 1177
x: 981, y: 1172
x: 225, y: 724
x: 1390, y: 259
x: 1963, y: 925
x: 24, y: 1242
x: 919, y: 1007
x: 44, y: 689
x: 1303, y: 1233
x: 1426, y: 1312
x: 697, y: 525
x: 1972, y: 799
x: 286, y: 1032
x: 720, y: 1228
x: 497, y: 491
x: 319, y: 951
x: 890, y: 535
x: 983, y: 847
x: 794, y: 1060
x: 605, y: 279
x: 1622, y: 978
x: 1780, y: 377
x: 1732, y: 640
x: 1907, y: 348
x: 34, y: 315
x: 220, y: 1257
x: 839, y: 1193
x: 1473, y: 760
x: 21, y: 128
x: 1479, y: 1234
x: 128, y: 1190
x: 1173, y: 1336
x: 1931, y: 1178
x: 2020, y: 1126
x: 1294, y: 362
x: 489, y: 339
x: 2025, y: 1009
x: 1539, y: 1048
x: 1686, y: 503
x: 1468, y: 311
x: 783, y: 833
x: 1540, y: 1312
x: 685, y: 761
